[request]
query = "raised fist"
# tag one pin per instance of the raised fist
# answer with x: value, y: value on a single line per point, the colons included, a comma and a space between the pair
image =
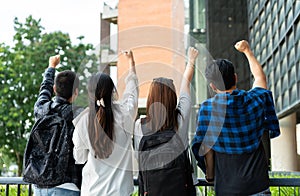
x: 242, y: 46
x: 54, y: 61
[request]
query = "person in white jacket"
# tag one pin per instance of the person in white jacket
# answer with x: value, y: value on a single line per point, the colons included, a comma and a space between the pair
x: 103, y: 135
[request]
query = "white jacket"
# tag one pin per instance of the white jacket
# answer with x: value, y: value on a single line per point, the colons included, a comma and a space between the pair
x: 111, y: 176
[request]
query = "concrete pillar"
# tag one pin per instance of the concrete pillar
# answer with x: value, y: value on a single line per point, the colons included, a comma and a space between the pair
x: 284, y: 147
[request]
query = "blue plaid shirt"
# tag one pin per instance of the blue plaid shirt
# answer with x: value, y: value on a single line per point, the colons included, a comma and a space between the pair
x: 234, y: 123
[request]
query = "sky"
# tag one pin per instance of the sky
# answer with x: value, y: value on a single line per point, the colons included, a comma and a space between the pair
x: 76, y: 17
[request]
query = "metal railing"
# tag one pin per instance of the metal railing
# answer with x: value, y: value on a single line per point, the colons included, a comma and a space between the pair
x: 280, y: 183
x: 14, y: 181
x: 285, y: 186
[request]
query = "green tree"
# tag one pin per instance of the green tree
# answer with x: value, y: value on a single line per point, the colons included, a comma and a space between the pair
x: 21, y: 71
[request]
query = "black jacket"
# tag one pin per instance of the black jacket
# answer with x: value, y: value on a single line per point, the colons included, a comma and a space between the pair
x: 43, y: 105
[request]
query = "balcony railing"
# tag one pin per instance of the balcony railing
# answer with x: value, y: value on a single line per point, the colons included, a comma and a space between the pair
x: 285, y: 186
x: 14, y: 186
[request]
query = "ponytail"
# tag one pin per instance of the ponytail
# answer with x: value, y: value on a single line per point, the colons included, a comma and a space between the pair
x: 100, y: 124
x: 101, y: 135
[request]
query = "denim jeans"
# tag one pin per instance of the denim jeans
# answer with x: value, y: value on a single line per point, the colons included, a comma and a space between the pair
x: 263, y: 193
x: 54, y: 192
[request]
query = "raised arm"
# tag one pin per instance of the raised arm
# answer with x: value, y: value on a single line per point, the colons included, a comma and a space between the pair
x: 130, y: 59
x: 46, y: 89
x: 131, y: 92
x: 189, y: 70
x: 255, y: 67
x: 54, y: 61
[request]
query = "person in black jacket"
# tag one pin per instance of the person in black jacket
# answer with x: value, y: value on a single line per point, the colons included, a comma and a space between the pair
x: 65, y: 86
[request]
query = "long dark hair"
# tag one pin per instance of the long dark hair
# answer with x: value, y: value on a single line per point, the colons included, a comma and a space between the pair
x: 161, y: 108
x: 100, y: 125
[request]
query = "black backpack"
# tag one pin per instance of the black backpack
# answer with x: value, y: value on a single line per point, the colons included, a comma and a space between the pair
x: 164, y: 166
x: 47, y: 152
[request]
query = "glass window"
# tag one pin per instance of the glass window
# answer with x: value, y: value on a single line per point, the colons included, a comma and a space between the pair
x: 283, y: 50
x: 297, y: 7
x: 271, y: 81
x: 281, y: 15
x: 290, y: 39
x: 257, y: 47
x: 256, y: 26
x: 275, y: 26
x: 280, y: 3
x: 282, y: 29
x: 292, y: 76
x: 278, y: 102
x: 262, y: 3
x: 298, y: 70
x: 256, y: 9
x: 298, y: 90
x: 290, y: 17
x: 271, y: 65
x: 249, y: 3
x: 286, y: 99
x: 275, y: 39
x: 264, y: 54
x: 263, y: 40
x: 274, y: 14
x: 297, y: 31
x: 277, y: 73
x: 291, y: 57
x: 262, y: 15
x: 293, y: 93
x: 285, y: 82
x: 268, y: 7
x: 276, y: 58
x: 263, y: 27
x: 297, y: 49
x: 269, y: 47
x: 265, y: 68
x: 298, y: 85
x: 269, y: 19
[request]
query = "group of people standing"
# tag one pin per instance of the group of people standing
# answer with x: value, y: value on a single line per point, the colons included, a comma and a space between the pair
x: 227, y: 142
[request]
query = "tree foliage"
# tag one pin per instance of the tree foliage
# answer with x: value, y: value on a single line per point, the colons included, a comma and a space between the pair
x: 21, y: 72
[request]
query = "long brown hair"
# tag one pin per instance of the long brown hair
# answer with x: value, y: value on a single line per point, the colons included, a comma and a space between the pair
x: 161, y: 108
x: 100, y: 124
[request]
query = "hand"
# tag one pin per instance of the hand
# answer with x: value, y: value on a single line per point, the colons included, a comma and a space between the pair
x: 242, y: 46
x: 54, y: 61
x: 192, y: 55
x: 128, y: 54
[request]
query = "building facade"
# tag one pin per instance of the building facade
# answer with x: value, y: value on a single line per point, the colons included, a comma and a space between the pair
x: 275, y: 33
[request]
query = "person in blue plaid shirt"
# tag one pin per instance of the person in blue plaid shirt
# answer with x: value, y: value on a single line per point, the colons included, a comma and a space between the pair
x: 227, y: 143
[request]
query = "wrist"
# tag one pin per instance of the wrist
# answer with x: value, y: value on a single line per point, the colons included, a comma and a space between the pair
x: 248, y: 52
x: 191, y: 64
x: 209, y: 180
x: 131, y: 63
